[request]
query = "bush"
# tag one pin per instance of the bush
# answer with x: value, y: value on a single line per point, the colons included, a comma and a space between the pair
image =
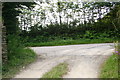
x: 18, y: 56
x: 14, y: 44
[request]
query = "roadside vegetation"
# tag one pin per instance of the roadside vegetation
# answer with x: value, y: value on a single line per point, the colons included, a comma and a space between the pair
x: 18, y: 57
x: 57, y: 71
x: 69, y: 42
x: 111, y: 66
x: 63, y: 31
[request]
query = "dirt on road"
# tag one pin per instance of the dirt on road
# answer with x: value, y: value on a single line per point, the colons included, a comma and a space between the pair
x: 84, y: 60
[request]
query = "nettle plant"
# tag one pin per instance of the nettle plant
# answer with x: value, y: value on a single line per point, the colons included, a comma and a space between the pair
x: 117, y: 47
x: 117, y: 44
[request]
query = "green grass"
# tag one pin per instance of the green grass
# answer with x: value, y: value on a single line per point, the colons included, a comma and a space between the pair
x: 17, y: 61
x: 0, y: 69
x: 70, y: 42
x: 110, y: 68
x: 57, y: 72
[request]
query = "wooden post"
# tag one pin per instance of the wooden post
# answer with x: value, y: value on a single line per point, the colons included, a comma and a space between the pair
x: 3, y: 35
x: 0, y: 40
x: 4, y: 46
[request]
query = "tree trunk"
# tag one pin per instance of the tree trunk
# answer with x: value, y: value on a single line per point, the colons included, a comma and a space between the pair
x: 60, y: 18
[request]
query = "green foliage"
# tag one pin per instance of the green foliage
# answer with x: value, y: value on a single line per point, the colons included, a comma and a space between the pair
x: 69, y: 42
x: 14, y: 43
x: 18, y: 56
x: 9, y: 14
x: 63, y: 31
x: 88, y: 34
x: 17, y: 61
x: 103, y: 28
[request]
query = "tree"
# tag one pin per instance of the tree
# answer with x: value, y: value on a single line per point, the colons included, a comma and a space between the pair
x: 10, y: 22
x: 9, y: 14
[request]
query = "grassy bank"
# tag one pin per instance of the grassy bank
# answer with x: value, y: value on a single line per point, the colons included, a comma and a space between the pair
x: 110, y: 68
x: 70, y: 42
x: 17, y: 61
x: 57, y: 72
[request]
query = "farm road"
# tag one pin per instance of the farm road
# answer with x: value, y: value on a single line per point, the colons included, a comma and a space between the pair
x: 84, y: 60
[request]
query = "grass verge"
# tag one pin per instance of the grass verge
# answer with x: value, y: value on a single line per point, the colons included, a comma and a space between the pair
x: 110, y: 68
x: 17, y: 61
x: 57, y: 72
x: 70, y: 42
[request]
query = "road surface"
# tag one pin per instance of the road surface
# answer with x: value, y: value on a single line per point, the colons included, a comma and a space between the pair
x: 84, y: 60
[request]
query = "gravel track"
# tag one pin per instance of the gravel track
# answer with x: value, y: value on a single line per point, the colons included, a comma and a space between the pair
x: 84, y: 60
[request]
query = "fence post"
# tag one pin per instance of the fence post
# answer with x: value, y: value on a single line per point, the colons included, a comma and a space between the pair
x: 3, y: 36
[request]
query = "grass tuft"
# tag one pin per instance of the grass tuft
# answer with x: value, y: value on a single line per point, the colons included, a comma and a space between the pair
x: 57, y: 72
